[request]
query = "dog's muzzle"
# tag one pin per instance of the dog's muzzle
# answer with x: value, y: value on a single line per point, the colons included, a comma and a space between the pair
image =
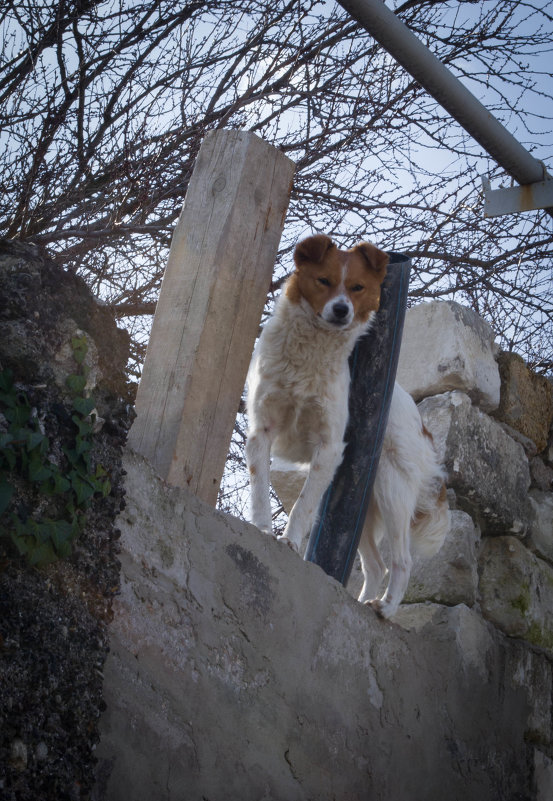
x: 338, y: 313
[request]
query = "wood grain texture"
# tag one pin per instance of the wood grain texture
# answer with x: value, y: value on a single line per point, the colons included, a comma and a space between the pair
x: 207, y: 317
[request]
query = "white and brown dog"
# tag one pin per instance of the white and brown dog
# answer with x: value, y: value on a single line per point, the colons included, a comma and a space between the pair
x: 298, y: 387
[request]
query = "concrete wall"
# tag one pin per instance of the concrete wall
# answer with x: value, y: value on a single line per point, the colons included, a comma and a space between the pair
x: 238, y: 671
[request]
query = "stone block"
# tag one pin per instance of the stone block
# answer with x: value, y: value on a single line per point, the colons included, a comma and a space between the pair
x: 543, y: 776
x: 516, y: 591
x: 451, y: 576
x: 540, y: 537
x: 447, y: 346
x: 471, y: 635
x: 525, y: 669
x: 531, y: 671
x: 288, y: 479
x: 487, y: 469
x: 541, y: 474
x: 526, y: 399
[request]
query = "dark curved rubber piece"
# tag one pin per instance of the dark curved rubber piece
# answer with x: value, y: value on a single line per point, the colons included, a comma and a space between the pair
x: 373, y: 365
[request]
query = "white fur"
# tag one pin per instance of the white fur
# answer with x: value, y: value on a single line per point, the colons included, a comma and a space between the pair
x: 298, y: 386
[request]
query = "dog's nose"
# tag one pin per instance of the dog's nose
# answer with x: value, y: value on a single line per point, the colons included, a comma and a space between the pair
x: 340, y: 310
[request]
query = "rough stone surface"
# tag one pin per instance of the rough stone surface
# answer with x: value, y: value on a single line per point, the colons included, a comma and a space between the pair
x: 451, y: 576
x: 239, y: 671
x: 447, y: 346
x: 53, y: 638
x: 541, y: 526
x: 487, y: 469
x: 532, y: 670
x: 526, y: 401
x: 543, y: 773
x: 516, y: 591
x: 541, y: 474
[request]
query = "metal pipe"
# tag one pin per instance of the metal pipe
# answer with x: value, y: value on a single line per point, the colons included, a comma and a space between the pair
x: 403, y: 45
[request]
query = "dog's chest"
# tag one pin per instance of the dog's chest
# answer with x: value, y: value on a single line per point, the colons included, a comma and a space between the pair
x: 306, y: 360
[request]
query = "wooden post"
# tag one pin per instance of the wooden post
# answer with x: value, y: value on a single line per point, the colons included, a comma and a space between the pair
x: 207, y: 317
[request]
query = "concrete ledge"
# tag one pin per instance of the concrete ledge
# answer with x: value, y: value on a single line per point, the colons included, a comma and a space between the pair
x: 239, y: 671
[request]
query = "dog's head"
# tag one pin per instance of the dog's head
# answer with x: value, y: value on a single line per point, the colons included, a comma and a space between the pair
x: 341, y: 286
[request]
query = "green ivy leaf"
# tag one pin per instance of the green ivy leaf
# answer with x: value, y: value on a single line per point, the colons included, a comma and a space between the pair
x: 82, y: 446
x: 35, y: 439
x: 80, y: 348
x: 61, y: 534
x: 24, y: 452
x: 9, y: 457
x: 6, y: 492
x: 20, y: 414
x: 61, y: 484
x: 83, y: 490
x: 84, y: 426
x: 6, y: 381
x: 37, y: 470
x: 83, y: 405
x: 42, y: 555
x: 76, y: 383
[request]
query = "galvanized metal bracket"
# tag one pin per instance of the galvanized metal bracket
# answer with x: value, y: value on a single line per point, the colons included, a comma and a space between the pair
x: 514, y: 199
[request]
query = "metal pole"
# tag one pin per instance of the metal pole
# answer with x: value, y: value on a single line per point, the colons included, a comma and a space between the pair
x: 438, y: 81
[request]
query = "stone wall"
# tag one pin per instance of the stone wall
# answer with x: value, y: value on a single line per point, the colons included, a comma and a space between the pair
x: 53, y: 617
x: 239, y: 671
x: 497, y: 452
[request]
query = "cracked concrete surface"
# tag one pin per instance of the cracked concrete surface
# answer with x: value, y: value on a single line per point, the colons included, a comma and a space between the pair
x: 238, y: 671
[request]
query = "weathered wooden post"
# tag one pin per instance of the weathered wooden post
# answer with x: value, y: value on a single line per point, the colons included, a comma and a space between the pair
x: 207, y: 317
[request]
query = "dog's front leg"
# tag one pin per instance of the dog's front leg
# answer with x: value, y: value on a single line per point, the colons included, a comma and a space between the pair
x: 326, y: 459
x: 258, y: 459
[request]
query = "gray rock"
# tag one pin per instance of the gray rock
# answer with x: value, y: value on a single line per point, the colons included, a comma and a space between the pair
x: 541, y: 524
x: 526, y: 399
x: 543, y: 776
x: 487, y: 469
x: 447, y: 346
x: 516, y: 591
x: 531, y: 671
x: 451, y: 576
x: 541, y: 474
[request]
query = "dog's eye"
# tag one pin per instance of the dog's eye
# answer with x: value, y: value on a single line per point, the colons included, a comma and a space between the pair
x: 323, y: 281
x: 357, y: 288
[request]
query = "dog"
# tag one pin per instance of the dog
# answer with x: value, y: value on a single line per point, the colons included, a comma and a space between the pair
x: 297, y: 403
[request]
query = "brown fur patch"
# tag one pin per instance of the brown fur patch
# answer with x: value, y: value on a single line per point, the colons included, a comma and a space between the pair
x: 323, y: 272
x: 427, y: 433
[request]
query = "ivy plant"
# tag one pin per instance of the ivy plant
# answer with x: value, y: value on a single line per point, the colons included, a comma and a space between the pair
x: 60, y: 494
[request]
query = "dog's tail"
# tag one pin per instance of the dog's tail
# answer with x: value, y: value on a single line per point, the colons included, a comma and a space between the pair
x: 431, y: 522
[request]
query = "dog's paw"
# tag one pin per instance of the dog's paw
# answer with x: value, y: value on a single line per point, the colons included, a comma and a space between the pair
x: 289, y: 543
x: 265, y: 529
x: 384, y: 609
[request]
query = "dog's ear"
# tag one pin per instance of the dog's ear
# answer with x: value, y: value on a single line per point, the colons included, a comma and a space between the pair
x: 313, y: 249
x: 375, y: 258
